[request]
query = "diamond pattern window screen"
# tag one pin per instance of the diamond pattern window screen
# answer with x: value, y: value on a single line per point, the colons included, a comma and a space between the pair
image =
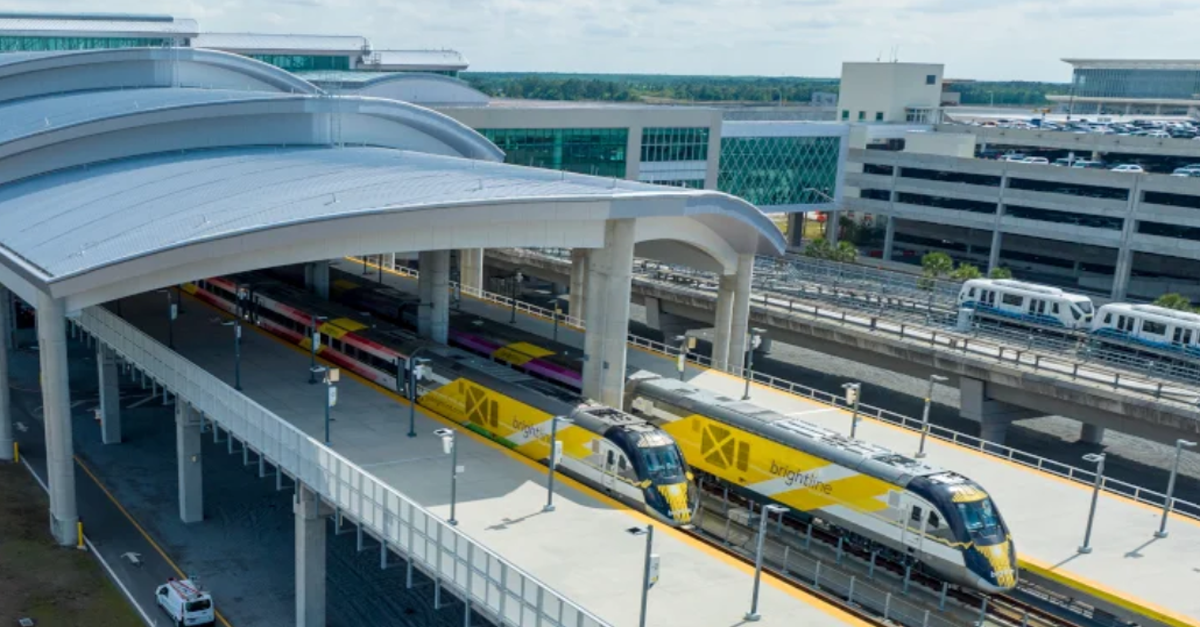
x: 595, y: 151
x: 776, y: 170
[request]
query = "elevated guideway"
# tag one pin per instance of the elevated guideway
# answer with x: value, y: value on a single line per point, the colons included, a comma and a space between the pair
x: 1129, y: 573
x: 577, y: 566
x: 1000, y: 383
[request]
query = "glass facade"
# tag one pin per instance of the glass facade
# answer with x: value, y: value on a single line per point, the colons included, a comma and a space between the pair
x: 674, y: 144
x: 776, y: 170
x: 36, y: 44
x: 596, y: 151
x: 1133, y: 83
x: 300, y: 63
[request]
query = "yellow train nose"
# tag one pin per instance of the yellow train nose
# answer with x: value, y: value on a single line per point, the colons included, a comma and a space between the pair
x: 676, y: 495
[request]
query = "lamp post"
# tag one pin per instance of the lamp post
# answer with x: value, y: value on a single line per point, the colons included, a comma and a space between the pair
x: 649, y: 569
x: 830, y: 226
x: 753, y: 342
x: 516, y: 279
x: 172, y: 313
x: 767, y: 510
x: 557, y: 315
x: 450, y: 447
x: 416, y: 372
x: 236, y: 323
x: 853, y: 391
x: 332, y: 375
x: 315, y: 340
x: 933, y: 378
x: 686, y: 344
x: 1097, y: 459
x: 1170, y: 498
x: 555, y: 454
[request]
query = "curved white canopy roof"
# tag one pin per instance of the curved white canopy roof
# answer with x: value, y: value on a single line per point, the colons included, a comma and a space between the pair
x: 116, y: 192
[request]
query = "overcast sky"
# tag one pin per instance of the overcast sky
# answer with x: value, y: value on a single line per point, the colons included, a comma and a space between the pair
x: 981, y: 39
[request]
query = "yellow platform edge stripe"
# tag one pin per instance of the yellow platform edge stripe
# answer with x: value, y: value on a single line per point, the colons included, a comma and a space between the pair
x: 1099, y: 591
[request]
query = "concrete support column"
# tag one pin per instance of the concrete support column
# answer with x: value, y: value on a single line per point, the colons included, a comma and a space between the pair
x: 992, y: 415
x: 388, y: 260
x: 187, y: 447
x: 795, y: 229
x: 310, y: 557
x: 316, y: 278
x: 740, y: 325
x: 56, y: 413
x: 724, y: 320
x: 1124, y: 269
x: 610, y: 274
x: 470, y: 268
x: 6, y: 429
x: 889, y: 237
x: 110, y: 394
x: 831, y: 226
x: 433, y: 284
x: 994, y: 252
x: 577, y: 291
x: 1091, y: 434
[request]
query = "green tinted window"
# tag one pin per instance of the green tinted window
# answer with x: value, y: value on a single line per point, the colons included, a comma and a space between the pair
x: 776, y: 170
x: 36, y: 44
x: 674, y: 144
x: 596, y: 151
x: 297, y: 63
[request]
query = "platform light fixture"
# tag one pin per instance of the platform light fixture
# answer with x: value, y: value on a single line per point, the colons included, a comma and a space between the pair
x: 687, y: 344
x: 172, y: 314
x: 556, y: 453
x: 516, y: 279
x: 1169, y: 500
x: 450, y: 447
x: 315, y: 341
x: 236, y: 323
x: 763, y: 517
x: 753, y: 341
x: 418, y: 368
x: 329, y: 378
x: 1098, y: 459
x: 650, y: 568
x: 853, y: 392
x: 933, y: 378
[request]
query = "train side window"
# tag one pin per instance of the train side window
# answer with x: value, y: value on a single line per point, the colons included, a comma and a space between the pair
x: 934, y: 523
x: 916, y: 514
x: 625, y: 469
x: 1154, y: 328
x: 610, y: 460
x: 1055, y: 309
x: 1108, y: 318
x: 971, y: 293
x: 1012, y: 300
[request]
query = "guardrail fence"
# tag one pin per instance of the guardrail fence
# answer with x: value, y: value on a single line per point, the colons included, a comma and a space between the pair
x: 493, y: 586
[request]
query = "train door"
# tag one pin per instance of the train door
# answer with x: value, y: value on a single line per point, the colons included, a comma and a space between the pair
x: 988, y: 297
x: 1183, y: 337
x: 609, y: 456
x: 913, y: 525
x: 1037, y: 307
x: 1125, y: 323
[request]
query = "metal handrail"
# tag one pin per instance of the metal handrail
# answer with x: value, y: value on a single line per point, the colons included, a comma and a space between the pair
x: 506, y: 595
x: 1080, y: 475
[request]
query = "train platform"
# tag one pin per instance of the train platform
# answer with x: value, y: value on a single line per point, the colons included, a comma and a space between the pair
x: 1128, y: 569
x: 584, y: 549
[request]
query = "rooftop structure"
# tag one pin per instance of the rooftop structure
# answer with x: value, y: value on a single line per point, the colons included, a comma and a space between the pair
x: 1158, y: 86
x: 29, y: 32
x: 890, y: 92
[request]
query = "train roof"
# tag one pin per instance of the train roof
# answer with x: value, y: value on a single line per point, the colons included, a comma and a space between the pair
x: 1034, y: 288
x: 1154, y: 310
x: 451, y: 361
x: 867, y: 458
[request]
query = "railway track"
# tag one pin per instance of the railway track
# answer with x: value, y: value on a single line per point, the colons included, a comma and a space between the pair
x: 809, y: 558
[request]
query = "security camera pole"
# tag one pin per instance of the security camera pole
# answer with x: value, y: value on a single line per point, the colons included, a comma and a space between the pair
x: 416, y: 371
x: 853, y: 392
x: 686, y: 344
x: 332, y: 375
x: 755, y: 340
x: 315, y: 340
x: 1169, y: 500
x: 1087, y: 535
x: 767, y: 510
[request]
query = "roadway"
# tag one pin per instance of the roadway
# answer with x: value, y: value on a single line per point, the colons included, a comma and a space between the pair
x: 1128, y: 567
x: 583, y: 548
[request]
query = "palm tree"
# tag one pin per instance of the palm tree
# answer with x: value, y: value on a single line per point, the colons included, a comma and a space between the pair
x: 1174, y: 301
x: 1000, y: 272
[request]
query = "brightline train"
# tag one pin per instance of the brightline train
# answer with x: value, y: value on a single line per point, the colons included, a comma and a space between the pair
x: 913, y: 512
x: 611, y: 450
x: 1146, y: 328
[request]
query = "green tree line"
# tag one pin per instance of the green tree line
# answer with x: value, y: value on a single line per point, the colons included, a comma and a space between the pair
x: 748, y: 89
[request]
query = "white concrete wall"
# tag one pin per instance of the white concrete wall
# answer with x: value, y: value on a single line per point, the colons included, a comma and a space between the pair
x: 887, y: 88
x: 949, y: 144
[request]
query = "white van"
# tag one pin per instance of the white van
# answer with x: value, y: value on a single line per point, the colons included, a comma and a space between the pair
x: 186, y: 603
